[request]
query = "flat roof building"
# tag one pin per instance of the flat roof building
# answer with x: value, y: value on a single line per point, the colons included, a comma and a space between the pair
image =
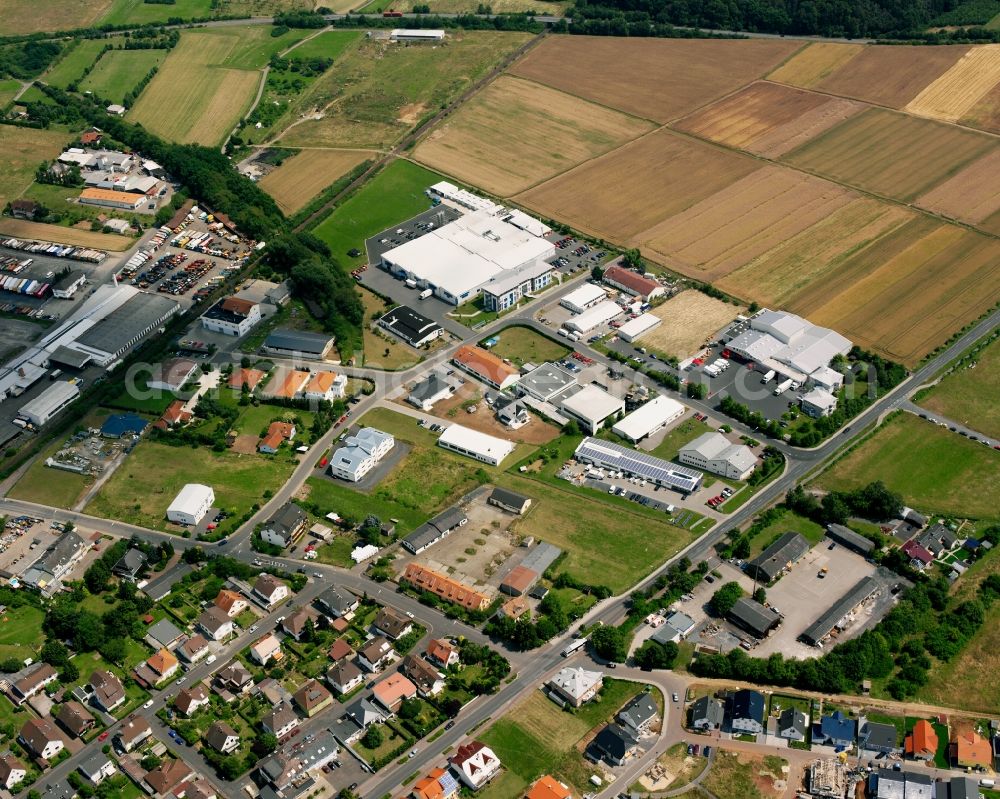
x: 637, y: 464
x: 458, y: 259
x: 416, y: 35
x: 649, y: 418
x: 584, y: 297
x: 412, y: 327
x: 507, y: 291
x: 634, y: 329
x: 191, y: 504
x: 594, y: 317
x: 545, y: 382
x: 50, y: 402
x: 474, y: 444
x: 590, y: 406
x: 713, y: 452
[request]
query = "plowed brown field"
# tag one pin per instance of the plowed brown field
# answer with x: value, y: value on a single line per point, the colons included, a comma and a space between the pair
x: 891, y: 75
x: 892, y: 154
x: 972, y: 195
x: 813, y: 63
x: 689, y: 320
x: 768, y: 119
x: 986, y: 113
x: 659, y: 79
x: 955, y: 93
x: 743, y: 221
x: 637, y: 186
x: 517, y: 133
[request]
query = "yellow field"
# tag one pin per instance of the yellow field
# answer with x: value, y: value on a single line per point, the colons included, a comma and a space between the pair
x: 517, y: 133
x: 957, y: 91
x: 21, y: 150
x: 689, y: 320
x: 191, y: 99
x: 64, y: 235
x: 303, y: 176
x: 972, y: 195
x: 29, y: 16
x: 813, y: 63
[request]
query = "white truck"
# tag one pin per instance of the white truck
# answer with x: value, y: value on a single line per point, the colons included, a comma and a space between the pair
x: 410, y: 283
x: 782, y: 387
x: 712, y: 370
x: 423, y: 295
x: 768, y: 376
x: 721, y: 364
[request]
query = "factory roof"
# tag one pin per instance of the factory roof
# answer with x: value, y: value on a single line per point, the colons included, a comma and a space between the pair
x: 298, y: 341
x: 649, y: 417
x: 592, y: 403
x: 129, y: 321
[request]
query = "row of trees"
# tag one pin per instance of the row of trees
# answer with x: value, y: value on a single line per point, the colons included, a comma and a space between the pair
x: 873, y: 501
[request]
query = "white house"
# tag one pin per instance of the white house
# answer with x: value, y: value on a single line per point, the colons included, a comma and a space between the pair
x: 575, y: 685
x: 265, y: 649
x: 271, y: 590
x: 713, y: 452
x: 231, y: 316
x: 475, y: 764
x: 818, y: 402
x: 360, y: 453
x: 191, y: 504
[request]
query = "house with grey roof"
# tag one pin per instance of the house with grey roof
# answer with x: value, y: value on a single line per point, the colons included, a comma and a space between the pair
x: 286, y: 526
x: 509, y: 501
x: 615, y: 744
x: 850, y: 539
x: 878, y: 737
x: 359, y: 453
x: 337, y: 602
x: 163, y: 635
x: 297, y: 343
x: 707, y: 713
x: 432, y: 531
x: 638, y: 714
x: 429, y: 391
x: 793, y: 724
x: 130, y: 565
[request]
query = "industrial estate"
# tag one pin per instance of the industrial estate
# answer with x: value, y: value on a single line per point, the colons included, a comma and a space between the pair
x: 531, y: 400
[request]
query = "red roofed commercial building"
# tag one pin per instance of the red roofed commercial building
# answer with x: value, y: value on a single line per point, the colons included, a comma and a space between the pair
x: 112, y: 199
x: 445, y: 587
x: 475, y: 764
x: 486, y: 366
x: 633, y: 283
x: 519, y: 581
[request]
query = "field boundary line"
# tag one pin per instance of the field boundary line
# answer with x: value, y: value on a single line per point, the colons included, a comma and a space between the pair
x: 598, y: 103
x: 784, y: 61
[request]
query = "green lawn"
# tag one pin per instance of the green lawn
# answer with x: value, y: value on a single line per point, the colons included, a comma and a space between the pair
x: 933, y: 469
x: 20, y: 631
x: 120, y: 71
x: 337, y: 553
x: 10, y: 715
x: 393, y: 195
x: 54, y: 487
x: 329, y: 44
x: 789, y: 522
x: 147, y: 482
x: 257, y: 45
x: 254, y: 419
x: 138, y: 12
x: 72, y: 65
x: 523, y: 345
x: 156, y: 404
x: 686, y: 431
x: 8, y: 88
x: 969, y: 395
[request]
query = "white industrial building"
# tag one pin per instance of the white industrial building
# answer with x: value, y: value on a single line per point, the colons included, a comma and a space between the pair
x: 827, y: 378
x: 360, y: 453
x: 507, y: 291
x: 713, y: 452
x: 594, y: 317
x: 637, y: 464
x: 416, y: 35
x: 191, y: 504
x: 472, y: 443
x: 584, y: 297
x: 790, y: 345
x: 458, y: 259
x: 545, y: 382
x: 453, y: 195
x: 633, y: 329
x: 590, y: 406
x: 649, y: 418
x: 818, y: 402
x: 49, y: 403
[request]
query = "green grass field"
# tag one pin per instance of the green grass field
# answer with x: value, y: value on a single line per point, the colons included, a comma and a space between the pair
x: 932, y: 468
x: 969, y: 395
x: 523, y: 345
x: 137, y: 12
x: 790, y: 522
x: 19, y: 632
x: 149, y: 479
x: 119, y: 71
x: 328, y: 44
x: 72, y: 64
x: 21, y: 150
x: 8, y: 88
x: 394, y: 194
x: 682, y: 434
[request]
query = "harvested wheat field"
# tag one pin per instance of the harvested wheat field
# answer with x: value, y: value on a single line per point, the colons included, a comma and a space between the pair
x: 57, y: 234
x: 689, y: 320
x: 986, y: 113
x: 783, y: 273
x: 910, y: 304
x: 768, y: 119
x: 955, y: 93
x: 517, y: 133
x: 813, y: 63
x: 892, y: 154
x: 743, y: 221
x: 306, y: 174
x: 971, y: 196
x: 625, y: 192
x: 658, y: 79
x: 891, y: 75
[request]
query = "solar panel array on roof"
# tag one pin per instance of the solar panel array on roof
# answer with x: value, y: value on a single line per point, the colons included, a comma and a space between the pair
x: 639, y: 464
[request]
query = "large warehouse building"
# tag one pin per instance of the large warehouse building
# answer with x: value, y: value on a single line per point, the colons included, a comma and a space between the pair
x: 474, y: 444
x: 713, y: 452
x: 594, y: 317
x: 633, y: 329
x: 457, y: 260
x: 590, y: 406
x: 649, y: 418
x: 49, y: 403
x: 191, y: 504
x: 637, y: 464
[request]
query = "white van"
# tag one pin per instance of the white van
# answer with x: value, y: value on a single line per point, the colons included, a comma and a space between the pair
x: 768, y: 376
x: 211, y: 659
x: 423, y: 295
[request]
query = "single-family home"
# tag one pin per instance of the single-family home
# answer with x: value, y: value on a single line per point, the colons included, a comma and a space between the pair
x: 921, y: 742
x: 426, y: 677
x: 167, y: 776
x: 442, y: 652
x: 344, y: 676
x: 337, y: 602
x: 189, y: 700
x: 638, y: 714
x: 376, y: 654
x: 285, y: 527
x: 920, y: 557
x: 272, y: 692
x: 745, y: 711
x: 277, y: 434
x: 41, y: 738
x: 325, y: 387
x: 193, y: 649
x: 222, y: 738
x: 707, y: 713
x: 391, y: 623
x: 793, y: 724
x: 475, y: 764
x: 615, y: 744
x: 97, y: 767
x: 30, y: 681
x: 12, y: 770
x: 575, y: 686
x: 133, y: 732
x: 391, y: 692
x: 130, y: 565
x: 878, y: 737
x: 164, y: 634
x: 231, y: 603
x: 246, y: 378
x: 312, y: 697
x: 296, y: 623
x: 548, y: 787
x: 75, y: 718
x: 270, y: 590
x: 199, y: 788
x: 215, y: 623
x: 163, y: 665
x: 109, y: 692
x: 835, y: 730
x: 339, y: 650
x: 438, y: 784
x: 970, y: 750
x: 266, y: 649
x: 280, y: 722
x: 234, y: 679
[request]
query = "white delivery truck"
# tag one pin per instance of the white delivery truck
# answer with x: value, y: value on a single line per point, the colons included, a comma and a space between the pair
x: 711, y: 370
x: 768, y: 375
x: 425, y: 294
x: 782, y: 387
x: 410, y: 283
